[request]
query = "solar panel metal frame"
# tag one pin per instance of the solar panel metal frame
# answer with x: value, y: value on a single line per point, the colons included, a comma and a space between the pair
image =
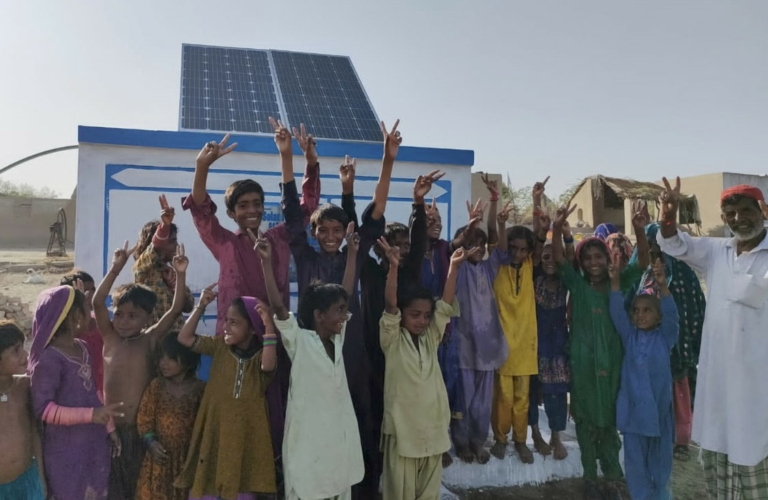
x: 277, y: 90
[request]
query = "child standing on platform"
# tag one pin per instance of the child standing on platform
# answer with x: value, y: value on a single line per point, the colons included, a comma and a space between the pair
x: 21, y: 461
x: 321, y: 452
x: 166, y: 418
x: 481, y: 343
x: 644, y: 412
x: 230, y: 455
x: 416, y: 412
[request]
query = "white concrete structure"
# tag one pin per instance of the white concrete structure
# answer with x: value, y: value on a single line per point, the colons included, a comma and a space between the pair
x: 121, y: 172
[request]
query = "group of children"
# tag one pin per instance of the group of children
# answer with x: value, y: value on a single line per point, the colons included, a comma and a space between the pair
x: 387, y: 363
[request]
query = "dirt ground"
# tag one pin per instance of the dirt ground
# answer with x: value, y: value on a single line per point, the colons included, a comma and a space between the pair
x: 687, y: 484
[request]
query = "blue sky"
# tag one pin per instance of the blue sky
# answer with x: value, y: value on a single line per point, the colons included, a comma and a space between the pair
x: 571, y: 88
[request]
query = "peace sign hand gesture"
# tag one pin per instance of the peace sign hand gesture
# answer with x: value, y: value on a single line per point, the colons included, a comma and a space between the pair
x: 640, y: 217
x: 307, y: 144
x: 561, y: 216
x: 283, y: 138
x: 477, y: 211
x: 539, y: 188
x: 392, y: 141
x: 261, y: 246
x: 423, y: 184
x: 614, y: 269
x: 392, y: 253
x: 503, y: 216
x: 347, y: 171
x: 180, y: 261
x: 352, y: 238
x: 492, y: 186
x: 207, y: 296
x: 120, y: 257
x: 212, y: 151
x: 167, y: 212
x: 670, y: 200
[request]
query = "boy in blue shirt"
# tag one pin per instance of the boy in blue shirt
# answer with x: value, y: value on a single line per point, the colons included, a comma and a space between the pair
x: 644, y: 412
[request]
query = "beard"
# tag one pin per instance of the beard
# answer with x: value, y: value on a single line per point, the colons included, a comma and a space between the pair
x: 746, y: 234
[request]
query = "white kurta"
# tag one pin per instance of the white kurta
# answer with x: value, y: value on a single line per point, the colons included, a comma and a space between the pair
x: 322, y: 456
x: 731, y: 408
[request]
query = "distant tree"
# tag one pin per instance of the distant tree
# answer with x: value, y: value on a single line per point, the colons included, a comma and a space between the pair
x: 566, y: 195
x: 521, y: 199
x: 23, y: 190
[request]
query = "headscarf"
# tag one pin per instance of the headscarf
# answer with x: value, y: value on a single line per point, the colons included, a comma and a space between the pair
x: 583, y: 243
x: 742, y: 190
x: 53, y: 306
x: 685, y: 287
x: 604, y: 230
x: 620, y: 242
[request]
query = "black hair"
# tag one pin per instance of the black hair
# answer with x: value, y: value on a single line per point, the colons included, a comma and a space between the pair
x: 318, y: 296
x: 77, y: 274
x: 593, y: 243
x: 328, y: 212
x: 408, y: 294
x: 735, y: 199
x: 239, y: 304
x: 78, y: 306
x: 186, y: 357
x: 478, y: 233
x: 10, y: 335
x: 394, y: 229
x: 238, y: 189
x: 522, y: 233
x: 133, y: 293
x: 147, y: 233
x: 654, y: 301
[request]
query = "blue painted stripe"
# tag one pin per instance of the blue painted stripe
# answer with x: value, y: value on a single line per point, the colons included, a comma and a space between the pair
x: 266, y: 145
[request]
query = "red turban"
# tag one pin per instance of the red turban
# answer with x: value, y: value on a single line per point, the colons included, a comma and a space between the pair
x: 743, y: 190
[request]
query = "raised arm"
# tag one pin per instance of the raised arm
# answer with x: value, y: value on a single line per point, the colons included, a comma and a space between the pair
x: 211, y: 152
x: 538, y: 194
x: 284, y: 144
x: 670, y: 320
x: 392, y: 254
x: 180, y: 264
x: 417, y: 225
x: 263, y: 249
x: 561, y: 216
x: 187, y: 334
x: 475, y: 218
x: 639, y: 220
x: 618, y: 312
x: 269, y: 349
x: 350, y: 271
x: 670, y: 202
x: 457, y: 258
x: 100, y: 311
x: 570, y: 249
x: 501, y: 227
x: 541, y: 235
x: 493, y: 191
x: 392, y: 141
x: 347, y: 172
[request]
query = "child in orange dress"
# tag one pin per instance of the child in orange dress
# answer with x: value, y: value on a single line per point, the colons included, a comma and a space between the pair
x: 166, y: 418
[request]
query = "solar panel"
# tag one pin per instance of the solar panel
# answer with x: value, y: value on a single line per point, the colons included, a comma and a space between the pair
x: 237, y: 90
x: 227, y: 90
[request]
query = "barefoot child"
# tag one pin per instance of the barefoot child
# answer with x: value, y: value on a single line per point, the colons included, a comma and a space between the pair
x: 553, y: 380
x: 644, y: 406
x: 230, y: 455
x: 321, y: 452
x: 481, y: 343
x: 21, y: 462
x: 328, y: 224
x: 595, y: 351
x: 240, y: 273
x: 89, y: 332
x: 516, y: 300
x: 76, y: 448
x: 166, y: 418
x: 130, y: 339
x: 416, y: 412
x: 156, y: 247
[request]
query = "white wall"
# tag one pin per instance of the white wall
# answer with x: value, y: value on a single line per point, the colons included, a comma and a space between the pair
x: 118, y: 188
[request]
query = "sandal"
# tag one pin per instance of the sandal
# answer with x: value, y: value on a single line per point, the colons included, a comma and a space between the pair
x: 682, y: 453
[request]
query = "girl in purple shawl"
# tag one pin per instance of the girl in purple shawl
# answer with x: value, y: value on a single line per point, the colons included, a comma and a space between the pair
x: 76, y: 450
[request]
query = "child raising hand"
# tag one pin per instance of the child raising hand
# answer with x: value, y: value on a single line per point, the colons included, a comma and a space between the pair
x: 644, y: 412
x: 416, y: 412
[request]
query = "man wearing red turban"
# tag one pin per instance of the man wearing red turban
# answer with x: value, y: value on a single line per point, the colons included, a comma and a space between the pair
x: 731, y: 405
